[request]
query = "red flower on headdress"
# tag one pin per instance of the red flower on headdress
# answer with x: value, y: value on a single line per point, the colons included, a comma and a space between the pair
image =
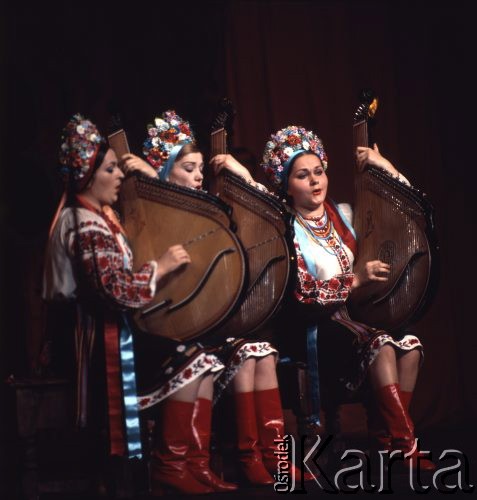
x: 184, y: 129
x: 170, y: 135
x: 293, y: 139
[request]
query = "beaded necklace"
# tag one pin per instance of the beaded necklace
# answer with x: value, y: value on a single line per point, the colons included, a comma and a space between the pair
x: 323, y: 233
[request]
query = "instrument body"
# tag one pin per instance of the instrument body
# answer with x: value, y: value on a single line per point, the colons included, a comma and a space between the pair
x: 261, y: 224
x: 262, y: 228
x: 197, y: 297
x: 394, y: 223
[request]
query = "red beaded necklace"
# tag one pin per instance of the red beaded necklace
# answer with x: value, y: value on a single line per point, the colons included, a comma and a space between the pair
x: 322, y: 225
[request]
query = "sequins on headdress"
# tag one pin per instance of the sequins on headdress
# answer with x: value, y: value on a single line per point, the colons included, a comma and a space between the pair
x: 164, y: 135
x: 80, y: 142
x: 283, y: 146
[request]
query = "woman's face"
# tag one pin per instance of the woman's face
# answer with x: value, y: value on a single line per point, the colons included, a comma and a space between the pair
x: 308, y: 184
x: 187, y: 171
x: 106, y: 182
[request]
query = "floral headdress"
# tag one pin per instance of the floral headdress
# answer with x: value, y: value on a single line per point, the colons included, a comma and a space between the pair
x: 165, y: 140
x: 80, y: 143
x: 283, y: 146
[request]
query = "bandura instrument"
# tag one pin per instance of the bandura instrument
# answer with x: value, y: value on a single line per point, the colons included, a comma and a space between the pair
x: 262, y: 228
x: 394, y: 223
x: 199, y: 296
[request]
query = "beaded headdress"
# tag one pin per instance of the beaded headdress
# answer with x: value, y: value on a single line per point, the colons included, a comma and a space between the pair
x: 283, y: 146
x: 80, y: 143
x: 165, y: 140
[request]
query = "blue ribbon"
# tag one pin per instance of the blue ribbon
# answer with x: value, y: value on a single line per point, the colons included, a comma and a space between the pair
x: 166, y: 169
x: 131, y: 411
x: 286, y: 166
x: 306, y: 247
x: 313, y: 374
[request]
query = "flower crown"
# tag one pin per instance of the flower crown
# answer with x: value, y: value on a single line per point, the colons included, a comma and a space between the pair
x: 80, y: 143
x: 283, y: 146
x: 167, y: 132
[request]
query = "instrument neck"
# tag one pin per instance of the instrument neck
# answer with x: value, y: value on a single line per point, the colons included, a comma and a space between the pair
x: 360, y: 134
x: 218, y: 144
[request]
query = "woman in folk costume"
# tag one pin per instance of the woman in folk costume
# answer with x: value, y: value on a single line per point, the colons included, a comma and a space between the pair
x: 250, y: 365
x: 296, y: 163
x: 90, y: 263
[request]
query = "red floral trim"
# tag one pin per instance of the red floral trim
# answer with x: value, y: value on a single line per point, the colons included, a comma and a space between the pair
x: 199, y: 366
x: 334, y: 291
x: 246, y: 351
x: 105, y: 269
x: 370, y: 352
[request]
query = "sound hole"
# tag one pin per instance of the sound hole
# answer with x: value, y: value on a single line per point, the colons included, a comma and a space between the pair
x: 387, y: 250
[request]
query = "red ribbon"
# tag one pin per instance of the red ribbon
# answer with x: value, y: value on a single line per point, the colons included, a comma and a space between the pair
x: 113, y: 378
x: 340, y: 226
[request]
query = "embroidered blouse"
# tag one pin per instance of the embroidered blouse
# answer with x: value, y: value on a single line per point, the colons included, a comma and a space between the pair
x: 333, y: 263
x: 105, y: 259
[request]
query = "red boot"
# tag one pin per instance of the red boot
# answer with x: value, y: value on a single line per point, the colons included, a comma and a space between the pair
x: 378, y: 435
x: 271, y: 427
x: 169, y: 472
x: 406, y: 397
x: 400, y: 426
x: 247, y: 440
x: 198, y: 457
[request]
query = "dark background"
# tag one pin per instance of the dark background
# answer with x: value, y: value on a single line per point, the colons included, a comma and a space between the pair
x: 280, y: 63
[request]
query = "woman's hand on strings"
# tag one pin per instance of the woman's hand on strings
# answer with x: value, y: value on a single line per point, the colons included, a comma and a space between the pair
x: 175, y: 257
x: 373, y: 270
x: 219, y: 162
x: 131, y: 163
x: 372, y: 156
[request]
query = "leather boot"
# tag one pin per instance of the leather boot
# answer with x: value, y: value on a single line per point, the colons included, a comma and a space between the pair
x: 271, y: 427
x: 168, y: 470
x: 250, y: 457
x: 378, y: 435
x: 400, y: 426
x: 406, y: 397
x: 198, y: 457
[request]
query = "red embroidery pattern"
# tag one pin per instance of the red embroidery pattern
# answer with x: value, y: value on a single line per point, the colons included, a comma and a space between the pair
x: 369, y: 352
x: 248, y: 350
x: 106, y: 269
x: 324, y: 292
x: 200, y: 365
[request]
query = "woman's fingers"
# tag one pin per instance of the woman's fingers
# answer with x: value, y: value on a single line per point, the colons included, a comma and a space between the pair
x: 375, y: 270
x: 218, y: 163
